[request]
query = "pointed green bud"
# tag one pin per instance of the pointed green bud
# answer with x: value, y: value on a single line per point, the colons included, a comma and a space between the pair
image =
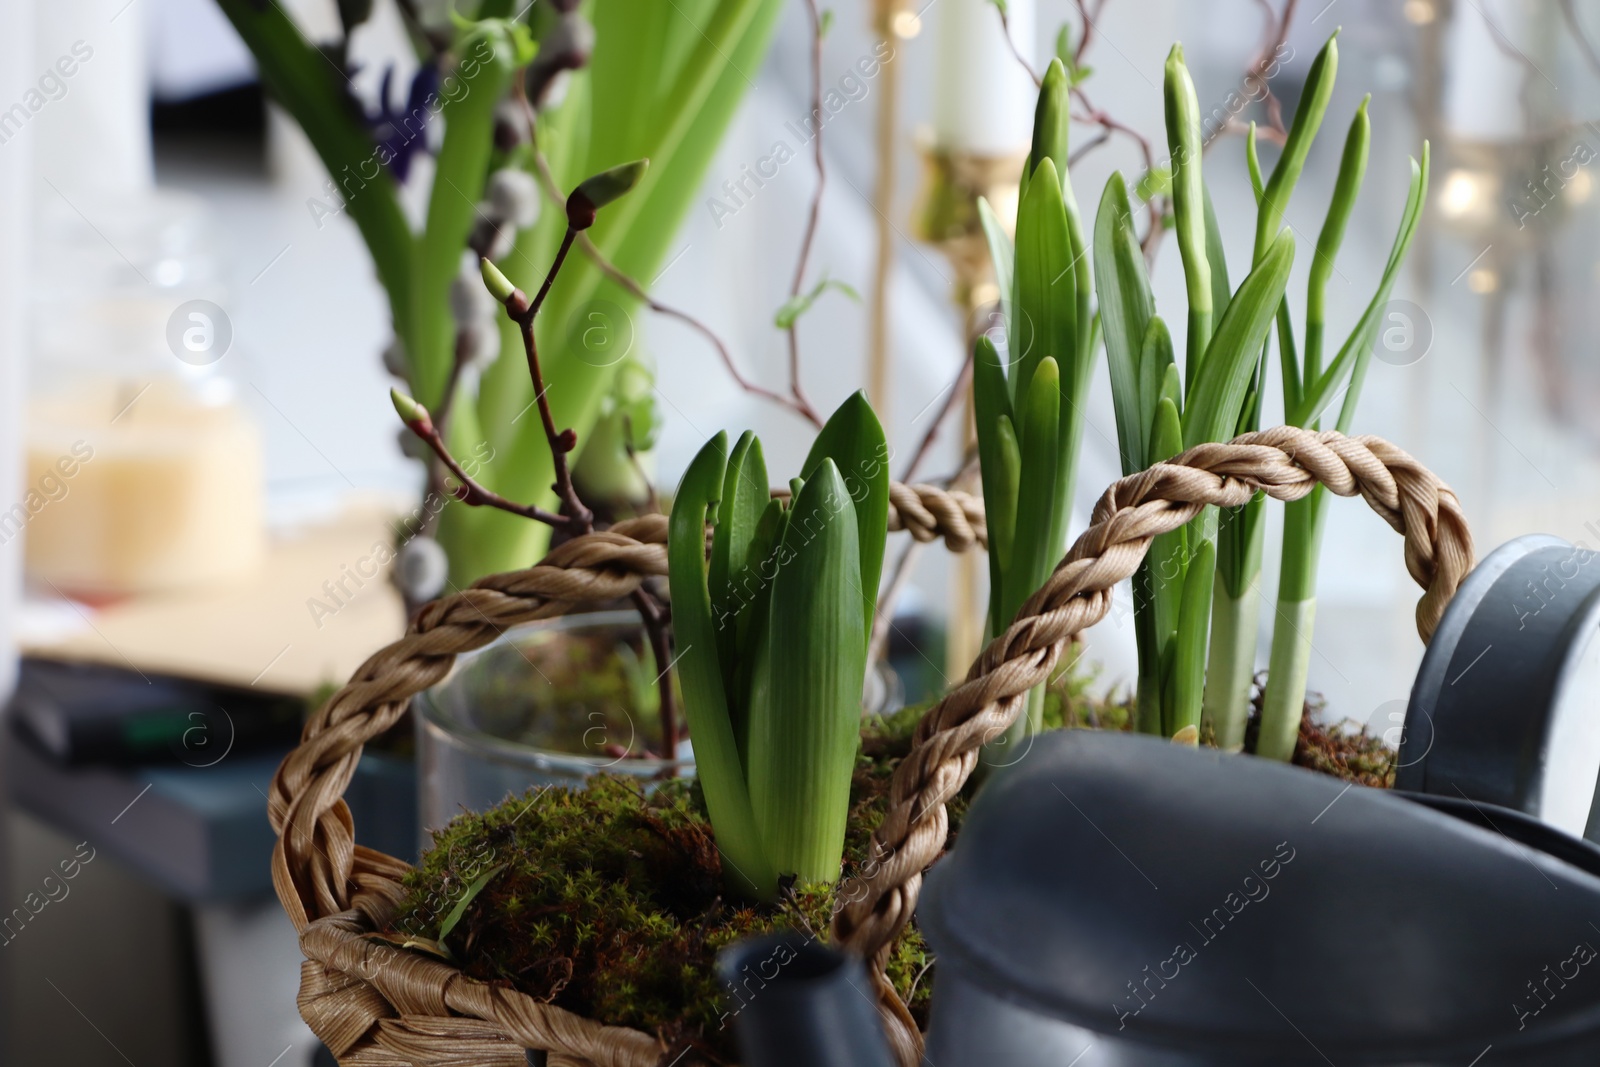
x: 596, y: 192
x: 1050, y: 122
x: 411, y: 413
x: 498, y: 284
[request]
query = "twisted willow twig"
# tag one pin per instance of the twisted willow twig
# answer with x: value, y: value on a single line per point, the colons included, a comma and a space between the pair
x: 1287, y: 463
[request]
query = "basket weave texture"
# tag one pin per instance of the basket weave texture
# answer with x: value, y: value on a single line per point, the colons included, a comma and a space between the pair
x: 375, y: 1004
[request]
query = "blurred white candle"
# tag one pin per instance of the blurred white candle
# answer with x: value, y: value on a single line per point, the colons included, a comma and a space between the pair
x: 93, y: 124
x: 983, y: 99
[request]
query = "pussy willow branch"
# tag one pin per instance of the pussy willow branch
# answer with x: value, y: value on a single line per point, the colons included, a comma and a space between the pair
x: 547, y: 182
x: 810, y: 236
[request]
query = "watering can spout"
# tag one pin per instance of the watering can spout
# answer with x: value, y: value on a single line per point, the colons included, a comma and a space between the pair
x: 796, y: 1003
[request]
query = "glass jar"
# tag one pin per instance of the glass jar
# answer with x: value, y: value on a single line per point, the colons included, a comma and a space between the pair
x: 547, y: 704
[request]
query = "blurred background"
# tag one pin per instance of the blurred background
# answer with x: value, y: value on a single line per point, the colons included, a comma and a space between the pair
x: 199, y: 463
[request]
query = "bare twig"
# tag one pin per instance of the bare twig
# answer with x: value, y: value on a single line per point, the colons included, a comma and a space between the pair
x: 469, y: 491
x: 1088, y: 146
x: 795, y: 388
x: 1275, y: 35
x: 562, y: 442
x: 958, y: 389
x: 884, y: 618
x: 547, y: 182
x: 654, y: 614
x: 651, y: 500
x: 1088, y: 29
x: 1022, y: 61
x: 1107, y: 122
x: 441, y: 421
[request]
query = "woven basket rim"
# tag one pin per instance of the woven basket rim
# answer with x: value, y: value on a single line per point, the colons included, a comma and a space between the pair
x: 374, y: 1003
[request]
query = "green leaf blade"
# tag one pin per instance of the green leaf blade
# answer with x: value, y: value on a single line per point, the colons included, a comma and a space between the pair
x: 1211, y: 411
x: 1126, y: 306
x: 1034, y: 554
x: 705, y: 705
x: 805, y: 734
x: 853, y: 439
x: 1046, y: 291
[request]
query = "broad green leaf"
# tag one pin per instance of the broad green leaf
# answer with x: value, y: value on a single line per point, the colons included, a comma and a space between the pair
x: 764, y: 561
x: 306, y: 85
x: 1221, y: 291
x: 745, y: 497
x: 1123, y: 284
x: 461, y: 168
x: 1240, y: 544
x: 1051, y: 122
x: 1075, y: 374
x: 1045, y: 289
x: 1211, y: 411
x: 1157, y: 375
x: 1034, y: 554
x: 991, y: 407
x: 805, y: 733
x: 1003, y: 255
x: 1168, y: 557
x: 1009, y: 485
x: 1288, y: 359
x: 705, y: 705
x: 853, y: 439
x: 1189, y: 654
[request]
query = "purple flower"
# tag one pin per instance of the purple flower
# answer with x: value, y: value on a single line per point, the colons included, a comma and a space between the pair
x: 404, y: 133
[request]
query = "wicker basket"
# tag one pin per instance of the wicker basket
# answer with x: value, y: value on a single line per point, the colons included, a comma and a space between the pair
x: 373, y: 1004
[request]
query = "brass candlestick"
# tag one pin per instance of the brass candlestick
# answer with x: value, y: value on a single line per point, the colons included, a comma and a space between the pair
x: 947, y: 217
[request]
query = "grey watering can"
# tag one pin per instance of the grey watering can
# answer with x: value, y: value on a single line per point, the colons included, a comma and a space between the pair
x: 1116, y: 900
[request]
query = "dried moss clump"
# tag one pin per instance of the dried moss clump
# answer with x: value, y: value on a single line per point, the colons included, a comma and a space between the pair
x: 610, y: 902
x: 1343, y: 750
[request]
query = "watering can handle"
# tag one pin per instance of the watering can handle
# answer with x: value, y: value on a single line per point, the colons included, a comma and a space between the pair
x: 1286, y: 463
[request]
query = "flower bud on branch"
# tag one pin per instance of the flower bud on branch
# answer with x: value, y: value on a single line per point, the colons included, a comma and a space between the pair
x: 596, y: 192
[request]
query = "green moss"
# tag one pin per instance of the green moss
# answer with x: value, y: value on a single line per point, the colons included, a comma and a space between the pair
x: 610, y: 902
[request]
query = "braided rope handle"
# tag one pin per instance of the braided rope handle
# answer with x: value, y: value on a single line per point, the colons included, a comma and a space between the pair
x: 313, y: 858
x: 1286, y: 463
